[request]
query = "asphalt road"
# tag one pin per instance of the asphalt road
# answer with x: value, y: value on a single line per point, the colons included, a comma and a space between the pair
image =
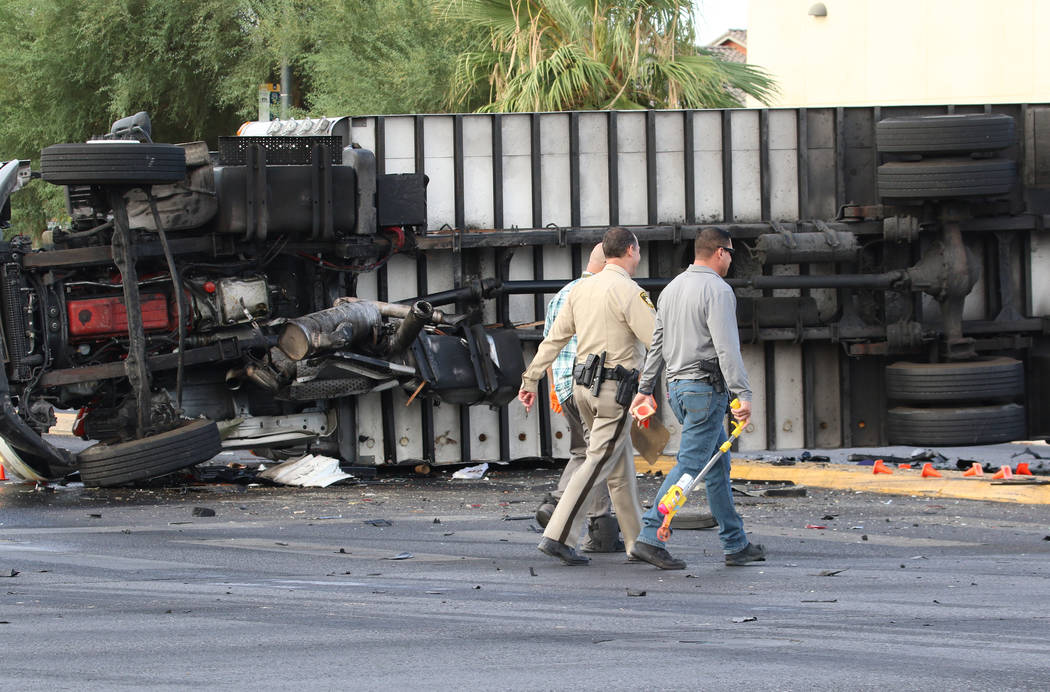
x: 295, y: 589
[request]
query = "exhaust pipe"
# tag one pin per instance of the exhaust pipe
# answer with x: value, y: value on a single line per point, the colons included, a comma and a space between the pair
x: 234, y: 379
x: 262, y: 377
x: 411, y: 326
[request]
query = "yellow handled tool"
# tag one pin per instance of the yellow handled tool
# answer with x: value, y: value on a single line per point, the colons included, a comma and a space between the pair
x: 676, y: 496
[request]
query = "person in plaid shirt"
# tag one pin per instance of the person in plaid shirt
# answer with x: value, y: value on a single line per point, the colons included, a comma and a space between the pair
x: 602, y: 528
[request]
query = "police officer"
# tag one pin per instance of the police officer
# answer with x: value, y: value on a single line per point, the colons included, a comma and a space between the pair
x: 613, y: 320
x: 602, y: 530
x: 696, y: 337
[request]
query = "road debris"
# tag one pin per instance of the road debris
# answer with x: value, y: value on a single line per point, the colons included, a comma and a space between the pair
x: 400, y: 556
x: 1030, y: 451
x: 471, y: 473
x: 782, y: 489
x: 310, y: 471
x: 831, y: 572
x: 203, y: 512
x: 9, y: 572
x: 749, y: 618
x: 378, y: 522
x: 635, y: 593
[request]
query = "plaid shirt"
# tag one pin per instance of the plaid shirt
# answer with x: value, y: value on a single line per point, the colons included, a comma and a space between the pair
x: 566, y: 358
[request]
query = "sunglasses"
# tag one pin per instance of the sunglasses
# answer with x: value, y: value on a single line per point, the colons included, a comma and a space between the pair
x: 730, y: 250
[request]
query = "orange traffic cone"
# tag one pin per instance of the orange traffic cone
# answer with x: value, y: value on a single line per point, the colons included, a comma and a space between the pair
x: 3, y: 475
x: 880, y: 467
x: 974, y: 470
x: 1004, y: 473
x: 904, y: 466
x: 929, y: 472
x: 1022, y: 469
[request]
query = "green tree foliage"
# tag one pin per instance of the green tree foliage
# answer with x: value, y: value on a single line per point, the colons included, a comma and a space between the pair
x: 592, y: 54
x: 71, y: 68
x: 383, y: 57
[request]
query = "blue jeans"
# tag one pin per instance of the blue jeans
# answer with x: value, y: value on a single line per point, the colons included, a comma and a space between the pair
x: 701, y: 411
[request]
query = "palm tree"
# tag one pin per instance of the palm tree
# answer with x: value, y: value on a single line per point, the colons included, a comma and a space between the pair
x: 544, y: 55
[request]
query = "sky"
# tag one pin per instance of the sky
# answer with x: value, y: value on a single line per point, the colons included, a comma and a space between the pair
x: 715, y: 17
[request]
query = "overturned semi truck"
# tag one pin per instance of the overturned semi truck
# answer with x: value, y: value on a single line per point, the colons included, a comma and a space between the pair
x: 356, y: 286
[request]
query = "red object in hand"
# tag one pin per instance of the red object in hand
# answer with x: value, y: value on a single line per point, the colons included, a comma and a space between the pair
x: 642, y: 413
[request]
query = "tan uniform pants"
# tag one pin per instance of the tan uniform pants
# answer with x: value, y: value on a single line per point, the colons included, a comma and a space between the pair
x: 609, y: 459
x: 578, y: 436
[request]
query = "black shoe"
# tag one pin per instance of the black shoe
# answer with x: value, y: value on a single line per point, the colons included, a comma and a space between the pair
x: 546, y: 510
x: 563, y: 552
x: 752, y: 553
x: 590, y: 546
x: 603, y: 536
x: 658, y: 557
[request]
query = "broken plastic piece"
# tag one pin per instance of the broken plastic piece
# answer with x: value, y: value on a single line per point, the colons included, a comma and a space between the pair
x: 472, y: 473
x: 310, y: 471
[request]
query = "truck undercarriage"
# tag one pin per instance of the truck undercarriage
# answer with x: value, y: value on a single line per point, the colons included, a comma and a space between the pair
x: 197, y: 302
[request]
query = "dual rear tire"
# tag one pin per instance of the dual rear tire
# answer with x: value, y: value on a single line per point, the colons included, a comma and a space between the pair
x: 967, y: 403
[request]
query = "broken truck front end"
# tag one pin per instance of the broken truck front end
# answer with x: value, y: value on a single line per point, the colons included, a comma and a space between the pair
x: 200, y: 301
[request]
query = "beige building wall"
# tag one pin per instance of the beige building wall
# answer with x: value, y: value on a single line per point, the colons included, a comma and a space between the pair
x: 900, y: 52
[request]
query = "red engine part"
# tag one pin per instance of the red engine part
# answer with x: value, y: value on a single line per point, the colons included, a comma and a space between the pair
x: 95, y: 317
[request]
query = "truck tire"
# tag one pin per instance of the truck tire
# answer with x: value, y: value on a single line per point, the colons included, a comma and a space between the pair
x: 972, y: 425
x: 945, y: 134
x: 108, y: 465
x: 987, y: 379
x: 938, y: 178
x: 112, y: 163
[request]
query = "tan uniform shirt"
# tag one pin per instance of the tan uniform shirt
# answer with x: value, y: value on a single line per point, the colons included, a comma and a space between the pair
x: 607, y: 312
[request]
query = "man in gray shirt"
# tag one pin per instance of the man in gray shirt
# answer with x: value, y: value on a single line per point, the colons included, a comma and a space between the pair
x: 696, y: 338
